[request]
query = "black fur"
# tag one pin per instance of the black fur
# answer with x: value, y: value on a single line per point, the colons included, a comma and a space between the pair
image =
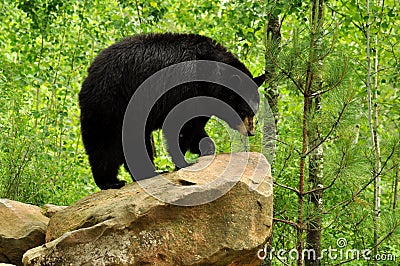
x: 115, y: 75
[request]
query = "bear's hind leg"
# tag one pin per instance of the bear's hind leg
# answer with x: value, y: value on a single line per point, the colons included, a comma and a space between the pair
x: 105, y: 166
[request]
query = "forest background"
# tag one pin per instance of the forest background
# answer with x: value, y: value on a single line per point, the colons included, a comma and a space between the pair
x: 332, y: 85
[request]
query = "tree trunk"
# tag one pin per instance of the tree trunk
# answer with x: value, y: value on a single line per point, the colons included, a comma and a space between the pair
x: 373, y: 126
x: 315, y: 174
x: 300, y: 204
x: 272, y: 42
x: 396, y: 185
x: 314, y: 226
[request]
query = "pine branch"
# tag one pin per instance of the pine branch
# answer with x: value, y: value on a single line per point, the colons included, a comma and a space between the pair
x: 375, y: 176
x: 288, y: 74
x: 287, y: 187
x: 334, y: 86
x: 293, y: 224
x: 334, y: 125
x: 334, y: 179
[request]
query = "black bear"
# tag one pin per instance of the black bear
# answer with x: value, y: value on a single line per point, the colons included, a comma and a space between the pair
x: 120, y: 69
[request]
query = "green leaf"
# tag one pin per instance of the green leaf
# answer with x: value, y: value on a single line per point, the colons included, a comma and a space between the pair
x: 153, y: 4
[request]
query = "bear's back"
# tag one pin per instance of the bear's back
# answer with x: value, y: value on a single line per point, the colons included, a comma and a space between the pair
x: 119, y: 69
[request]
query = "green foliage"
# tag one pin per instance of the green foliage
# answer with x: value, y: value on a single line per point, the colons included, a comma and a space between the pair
x: 47, y: 46
x: 339, y: 70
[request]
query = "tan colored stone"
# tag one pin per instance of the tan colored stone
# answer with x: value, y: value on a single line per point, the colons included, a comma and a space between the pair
x: 131, y: 227
x: 22, y: 227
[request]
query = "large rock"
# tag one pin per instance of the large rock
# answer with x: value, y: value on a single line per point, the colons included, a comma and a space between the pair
x: 131, y: 227
x: 22, y: 227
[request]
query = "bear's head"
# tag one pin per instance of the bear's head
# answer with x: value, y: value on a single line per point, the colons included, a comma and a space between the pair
x: 246, y: 107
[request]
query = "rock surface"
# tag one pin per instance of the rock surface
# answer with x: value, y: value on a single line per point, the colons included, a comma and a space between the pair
x: 22, y: 227
x: 49, y: 210
x: 130, y: 227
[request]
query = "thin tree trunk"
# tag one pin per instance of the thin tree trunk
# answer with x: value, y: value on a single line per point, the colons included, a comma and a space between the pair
x: 373, y: 126
x: 314, y: 225
x: 396, y: 186
x: 377, y: 150
x: 272, y: 42
x: 300, y: 204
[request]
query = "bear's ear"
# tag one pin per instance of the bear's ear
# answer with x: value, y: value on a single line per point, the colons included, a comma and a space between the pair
x: 259, y: 80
